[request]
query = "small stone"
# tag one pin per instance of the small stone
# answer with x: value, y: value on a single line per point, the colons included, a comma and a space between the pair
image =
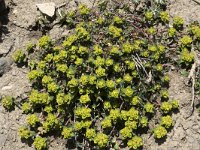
x: 47, y: 8
x: 5, y: 65
x: 7, y: 87
x: 15, y: 11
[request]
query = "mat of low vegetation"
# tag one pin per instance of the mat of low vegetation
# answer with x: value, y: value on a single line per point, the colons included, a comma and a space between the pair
x: 101, y: 86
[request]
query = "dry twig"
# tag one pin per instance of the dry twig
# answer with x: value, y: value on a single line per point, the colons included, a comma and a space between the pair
x: 196, y: 1
x: 192, y: 75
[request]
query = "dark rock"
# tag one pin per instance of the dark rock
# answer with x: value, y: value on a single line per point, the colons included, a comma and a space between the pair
x: 2, y: 5
x: 5, y: 65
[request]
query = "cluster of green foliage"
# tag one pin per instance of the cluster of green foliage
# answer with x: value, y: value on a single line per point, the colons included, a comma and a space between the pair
x: 8, y: 102
x: 108, y: 78
x: 19, y: 57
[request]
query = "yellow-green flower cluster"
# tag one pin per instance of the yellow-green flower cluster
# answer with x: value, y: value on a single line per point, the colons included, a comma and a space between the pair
x: 19, y: 56
x: 127, y: 48
x: 100, y: 72
x: 117, y: 20
x: 100, y: 20
x: 84, y: 79
x: 106, y: 123
x: 195, y: 30
x: 175, y: 104
x: 61, y: 68
x: 115, y: 31
x: 159, y: 132
x: 144, y: 122
x: 84, y: 99
x: 117, y: 68
x: 114, y: 51
x: 82, y: 124
x: 114, y: 93
x: 90, y: 134
x: 107, y: 105
x: 8, y: 102
x: 135, y: 100
x: 149, y: 108
x: 114, y: 114
x: 128, y: 78
x: 126, y: 133
x: 48, y: 58
x: 46, y: 80
x: 33, y: 120
x: 52, y: 87
x: 166, y: 79
x: 69, y: 41
x: 62, y: 98
x: 149, y: 16
x: 41, y: 65
x: 39, y: 98
x: 50, y: 123
x: 128, y: 91
x: 164, y: 16
x: 186, y: 56
x: 178, y: 22
x: 79, y: 61
x: 131, y: 66
x: 26, y: 107
x: 101, y: 140
x: 62, y: 55
x: 186, y: 41
x: 82, y: 34
x: 131, y: 124
x: 152, y: 31
x: 48, y: 109
x: 44, y: 42
x: 92, y: 80
x: 83, y: 9
x: 35, y: 74
x: 172, y: 32
x: 67, y: 132
x: 159, y: 67
x: 164, y: 94
x: 40, y: 143
x: 30, y: 46
x: 166, y: 121
x: 135, y: 143
x: 166, y: 107
x: 97, y: 50
x: 100, y: 84
x: 25, y: 133
x: 82, y: 50
x: 133, y: 114
x: 83, y: 112
x: 110, y: 84
x: 73, y: 83
x: 99, y: 61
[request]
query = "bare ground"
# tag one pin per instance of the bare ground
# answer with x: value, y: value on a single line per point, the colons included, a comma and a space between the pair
x: 23, y: 14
